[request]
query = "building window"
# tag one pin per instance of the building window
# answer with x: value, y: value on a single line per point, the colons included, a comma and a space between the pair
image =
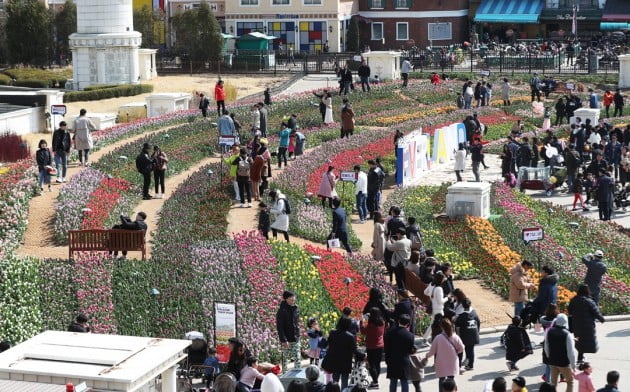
x: 377, y: 4
x: 249, y: 2
x: 312, y: 2
x: 248, y: 27
x: 402, y: 31
x: 313, y: 36
x: 440, y: 31
x: 284, y: 32
x: 281, y: 2
x: 402, y: 4
x: 377, y: 31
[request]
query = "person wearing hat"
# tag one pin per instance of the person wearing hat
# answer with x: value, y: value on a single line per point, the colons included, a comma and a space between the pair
x: 61, y: 144
x: 80, y: 324
x: 144, y: 164
x: 560, y: 350
x: 312, y: 375
x: 518, y: 384
x: 595, y: 270
x: 287, y: 320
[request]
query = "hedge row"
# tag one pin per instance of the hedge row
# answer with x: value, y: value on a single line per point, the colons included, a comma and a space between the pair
x: 126, y: 90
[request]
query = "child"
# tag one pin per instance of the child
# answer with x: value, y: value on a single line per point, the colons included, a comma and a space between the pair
x: 460, y: 101
x: 314, y: 337
x: 578, y: 187
x: 589, y: 184
x: 517, y: 342
x: 264, y: 221
x: 250, y: 374
x: 360, y: 375
x: 585, y: 383
x: 467, y: 324
x: 44, y: 162
x: 212, y: 363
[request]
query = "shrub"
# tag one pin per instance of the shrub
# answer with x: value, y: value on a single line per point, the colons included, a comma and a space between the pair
x: 96, y: 94
x: 34, y: 83
x: 13, y: 147
x: 5, y: 80
x: 50, y: 76
x: 100, y: 87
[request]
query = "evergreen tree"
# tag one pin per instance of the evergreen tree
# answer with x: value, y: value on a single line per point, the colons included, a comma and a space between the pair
x: 143, y: 22
x: 65, y: 24
x: 352, y: 36
x: 28, y: 32
x: 198, y: 34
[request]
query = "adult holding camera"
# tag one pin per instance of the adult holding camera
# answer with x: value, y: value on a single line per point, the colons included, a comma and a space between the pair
x: 595, y: 270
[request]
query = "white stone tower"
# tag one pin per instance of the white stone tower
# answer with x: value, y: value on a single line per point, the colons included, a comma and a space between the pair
x: 105, y: 47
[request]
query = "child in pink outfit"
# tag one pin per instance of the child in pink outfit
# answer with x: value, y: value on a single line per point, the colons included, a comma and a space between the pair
x: 250, y: 374
x: 585, y: 383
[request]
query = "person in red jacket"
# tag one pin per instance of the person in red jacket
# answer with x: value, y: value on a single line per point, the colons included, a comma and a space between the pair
x: 219, y: 96
x: 608, y: 100
x: 373, y: 327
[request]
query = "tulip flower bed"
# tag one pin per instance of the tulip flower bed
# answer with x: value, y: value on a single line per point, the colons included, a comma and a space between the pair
x: 17, y: 186
x: 105, y: 197
x: 71, y: 201
x: 615, y: 295
x: 265, y: 287
x: 20, y: 316
x: 593, y: 235
x: 344, y: 285
x: 57, y: 294
x: 302, y: 277
x: 418, y: 202
x: 184, y: 145
x: 93, y: 281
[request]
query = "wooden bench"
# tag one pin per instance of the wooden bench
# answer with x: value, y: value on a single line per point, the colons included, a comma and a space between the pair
x: 416, y: 286
x: 107, y: 240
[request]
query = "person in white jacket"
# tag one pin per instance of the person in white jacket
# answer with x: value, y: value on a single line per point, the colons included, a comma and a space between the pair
x: 360, y: 190
x: 436, y: 293
x: 280, y: 213
x: 460, y: 161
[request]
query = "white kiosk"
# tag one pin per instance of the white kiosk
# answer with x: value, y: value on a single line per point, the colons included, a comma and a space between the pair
x: 624, y: 71
x: 158, y: 104
x: 103, y: 362
x: 385, y: 64
x: 468, y: 198
x: 584, y: 114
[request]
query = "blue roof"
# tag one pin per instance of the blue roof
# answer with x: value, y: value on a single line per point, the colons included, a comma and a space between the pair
x: 509, y: 11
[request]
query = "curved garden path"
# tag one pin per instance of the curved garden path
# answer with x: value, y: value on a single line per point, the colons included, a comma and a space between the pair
x: 491, y: 307
x: 38, y: 239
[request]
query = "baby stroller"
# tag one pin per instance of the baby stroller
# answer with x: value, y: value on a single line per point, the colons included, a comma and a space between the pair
x: 193, y: 367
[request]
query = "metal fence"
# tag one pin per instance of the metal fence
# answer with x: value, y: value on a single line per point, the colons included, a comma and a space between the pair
x: 269, y: 62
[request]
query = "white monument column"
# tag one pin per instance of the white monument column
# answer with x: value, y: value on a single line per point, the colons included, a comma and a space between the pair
x: 624, y: 71
x: 105, y: 47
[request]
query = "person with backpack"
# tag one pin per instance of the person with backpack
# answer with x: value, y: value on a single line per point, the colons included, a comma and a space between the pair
x: 467, y: 326
x: 243, y: 168
x: 524, y: 154
x: 144, y: 164
x: 534, y: 84
x: 281, y: 211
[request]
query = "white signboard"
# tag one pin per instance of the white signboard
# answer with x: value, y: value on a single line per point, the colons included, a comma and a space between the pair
x: 533, y: 234
x: 226, y: 140
x: 58, y: 110
x: 348, y: 176
x: 440, y: 31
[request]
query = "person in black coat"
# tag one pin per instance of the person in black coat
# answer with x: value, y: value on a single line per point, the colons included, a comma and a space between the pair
x: 547, y: 291
x: 144, y: 165
x: 467, y: 326
x: 398, y: 346
x: 43, y: 158
x: 375, y: 300
x: 287, y: 325
x: 404, y: 306
x: 604, y: 194
x: 595, y: 270
x: 61, y: 144
x: 342, y: 346
x: 127, y: 224
x: 339, y: 229
x: 80, y: 324
x: 583, y: 312
x: 517, y: 343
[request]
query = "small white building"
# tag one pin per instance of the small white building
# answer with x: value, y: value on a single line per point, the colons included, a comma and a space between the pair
x: 159, y: 104
x: 112, y: 363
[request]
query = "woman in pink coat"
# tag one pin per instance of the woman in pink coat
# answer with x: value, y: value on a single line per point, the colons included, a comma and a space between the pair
x: 446, y: 348
x: 327, y: 187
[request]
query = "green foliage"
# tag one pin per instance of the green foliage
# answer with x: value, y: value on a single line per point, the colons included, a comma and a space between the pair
x: 65, y: 24
x: 352, y: 36
x: 39, y: 77
x: 5, y: 80
x: 198, y: 34
x: 98, y: 93
x: 146, y: 22
x: 32, y: 83
x: 134, y: 309
x: 57, y: 294
x: 28, y: 32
